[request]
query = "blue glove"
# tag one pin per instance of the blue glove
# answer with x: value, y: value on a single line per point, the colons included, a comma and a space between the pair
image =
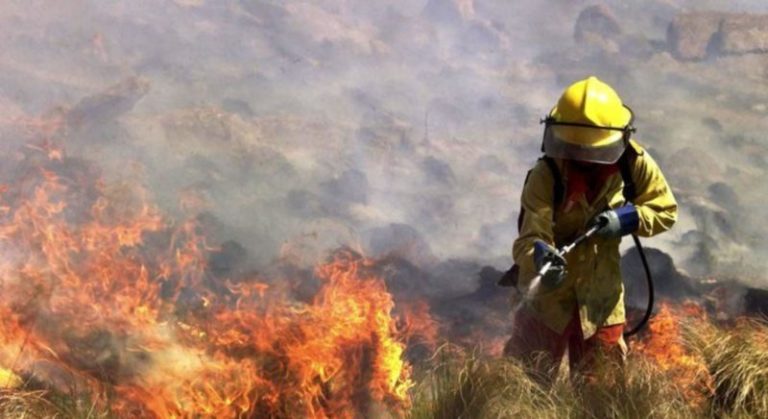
x: 543, y: 253
x: 617, y: 222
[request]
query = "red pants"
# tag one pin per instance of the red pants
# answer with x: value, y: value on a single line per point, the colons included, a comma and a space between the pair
x: 541, y: 349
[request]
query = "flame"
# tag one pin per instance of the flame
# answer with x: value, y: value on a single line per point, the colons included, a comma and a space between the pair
x: 418, y: 323
x: 665, y: 347
x: 105, y: 295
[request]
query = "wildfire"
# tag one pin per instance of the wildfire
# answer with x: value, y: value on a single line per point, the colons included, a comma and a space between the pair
x: 102, y: 294
x: 665, y: 347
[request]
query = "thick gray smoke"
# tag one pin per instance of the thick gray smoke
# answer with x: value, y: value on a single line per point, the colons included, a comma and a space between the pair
x: 398, y: 127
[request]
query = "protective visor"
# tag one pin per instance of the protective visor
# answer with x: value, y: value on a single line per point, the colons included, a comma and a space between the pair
x: 582, y: 142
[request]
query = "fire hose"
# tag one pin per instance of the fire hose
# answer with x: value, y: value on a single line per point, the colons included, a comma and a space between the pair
x: 564, y: 250
x: 649, y: 281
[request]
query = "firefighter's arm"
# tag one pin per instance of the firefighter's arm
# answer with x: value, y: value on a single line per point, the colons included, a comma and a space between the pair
x: 536, y: 201
x: 656, y: 206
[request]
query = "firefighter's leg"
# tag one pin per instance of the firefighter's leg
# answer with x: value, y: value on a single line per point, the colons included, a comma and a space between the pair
x: 599, y: 357
x: 597, y: 368
x: 539, y: 348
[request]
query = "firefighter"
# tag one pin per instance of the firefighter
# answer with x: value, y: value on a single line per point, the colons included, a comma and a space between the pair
x: 592, y: 173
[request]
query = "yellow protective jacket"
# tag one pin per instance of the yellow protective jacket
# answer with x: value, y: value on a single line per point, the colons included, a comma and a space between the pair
x: 593, y: 281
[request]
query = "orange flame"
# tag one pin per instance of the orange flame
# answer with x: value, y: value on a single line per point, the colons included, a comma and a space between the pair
x: 665, y: 347
x: 115, y: 300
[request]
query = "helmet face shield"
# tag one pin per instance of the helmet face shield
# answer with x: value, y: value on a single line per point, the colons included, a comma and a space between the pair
x: 607, y: 144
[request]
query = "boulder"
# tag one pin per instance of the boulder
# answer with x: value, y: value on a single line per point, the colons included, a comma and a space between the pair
x: 669, y: 282
x: 696, y: 35
x: 690, y: 34
x: 598, y: 26
x: 742, y: 34
x: 756, y: 302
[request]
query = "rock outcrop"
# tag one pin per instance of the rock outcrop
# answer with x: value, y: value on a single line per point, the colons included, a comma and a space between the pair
x: 598, y: 26
x: 697, y: 35
x: 741, y: 34
x: 689, y: 36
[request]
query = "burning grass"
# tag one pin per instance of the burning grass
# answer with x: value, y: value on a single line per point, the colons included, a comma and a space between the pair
x: 105, y: 299
x: 684, y: 367
x: 460, y: 384
x: 109, y: 310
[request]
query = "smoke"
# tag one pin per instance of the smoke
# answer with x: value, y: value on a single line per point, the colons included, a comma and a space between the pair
x: 400, y: 127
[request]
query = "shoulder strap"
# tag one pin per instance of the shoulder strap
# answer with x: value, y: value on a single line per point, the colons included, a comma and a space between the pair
x: 625, y: 167
x: 558, y: 187
x: 510, y: 278
x: 522, y: 210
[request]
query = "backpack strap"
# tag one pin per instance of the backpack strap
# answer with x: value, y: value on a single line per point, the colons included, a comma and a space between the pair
x: 522, y: 210
x: 558, y: 187
x: 625, y: 167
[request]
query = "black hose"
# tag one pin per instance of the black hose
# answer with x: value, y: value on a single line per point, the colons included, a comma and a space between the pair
x: 649, y: 278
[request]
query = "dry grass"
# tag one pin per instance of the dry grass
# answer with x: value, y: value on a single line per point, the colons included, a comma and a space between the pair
x: 640, y: 390
x: 456, y: 384
x: 24, y: 404
x: 33, y: 404
x: 466, y: 386
x: 737, y: 359
x: 463, y: 385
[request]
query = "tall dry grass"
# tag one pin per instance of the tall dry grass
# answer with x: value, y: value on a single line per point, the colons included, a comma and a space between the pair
x: 468, y: 386
x: 455, y: 383
x: 462, y: 385
x: 737, y: 359
x: 34, y: 404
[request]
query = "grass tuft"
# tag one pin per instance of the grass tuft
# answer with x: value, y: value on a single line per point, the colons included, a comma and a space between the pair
x: 462, y: 385
x: 467, y: 386
x: 33, y: 404
x: 737, y: 360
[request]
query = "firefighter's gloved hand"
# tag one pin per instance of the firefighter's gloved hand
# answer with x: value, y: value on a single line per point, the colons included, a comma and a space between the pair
x: 544, y: 253
x: 617, y: 222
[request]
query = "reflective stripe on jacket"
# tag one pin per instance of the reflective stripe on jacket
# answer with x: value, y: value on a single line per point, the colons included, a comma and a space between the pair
x: 593, y: 282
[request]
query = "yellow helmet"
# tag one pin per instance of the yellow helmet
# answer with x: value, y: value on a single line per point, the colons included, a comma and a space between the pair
x: 589, y: 123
